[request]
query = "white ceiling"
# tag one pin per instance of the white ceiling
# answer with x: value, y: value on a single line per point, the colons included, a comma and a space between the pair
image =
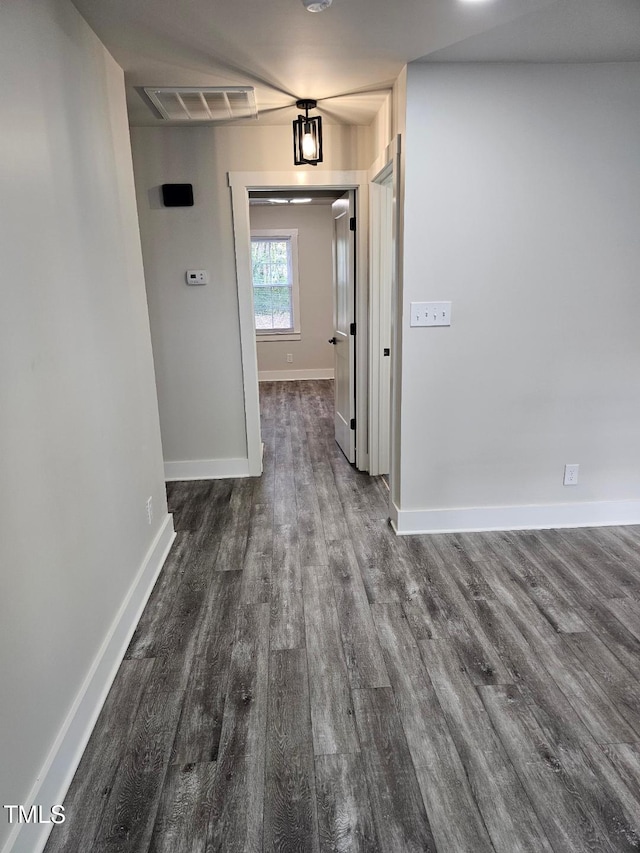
x: 348, y: 56
x: 566, y: 31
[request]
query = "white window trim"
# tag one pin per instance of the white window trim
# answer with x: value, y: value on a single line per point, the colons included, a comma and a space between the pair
x: 266, y: 336
x: 290, y: 234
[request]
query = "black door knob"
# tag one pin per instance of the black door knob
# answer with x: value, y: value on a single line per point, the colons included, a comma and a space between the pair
x: 333, y: 341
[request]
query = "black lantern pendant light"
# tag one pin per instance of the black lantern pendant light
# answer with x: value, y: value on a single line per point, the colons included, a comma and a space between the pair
x: 307, y: 136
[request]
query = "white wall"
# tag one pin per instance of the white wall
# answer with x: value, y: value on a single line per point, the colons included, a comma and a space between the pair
x: 522, y: 188
x: 195, y: 330
x: 381, y: 127
x: 314, y: 224
x: 79, y: 435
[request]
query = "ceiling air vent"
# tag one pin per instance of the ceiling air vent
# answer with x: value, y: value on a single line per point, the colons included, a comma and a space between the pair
x: 204, y: 103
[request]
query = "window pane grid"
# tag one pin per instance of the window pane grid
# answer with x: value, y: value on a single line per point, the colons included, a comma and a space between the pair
x: 272, y: 284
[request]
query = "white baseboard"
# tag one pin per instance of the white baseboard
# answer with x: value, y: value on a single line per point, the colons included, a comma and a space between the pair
x: 56, y: 774
x: 544, y: 517
x: 292, y: 375
x: 206, y: 469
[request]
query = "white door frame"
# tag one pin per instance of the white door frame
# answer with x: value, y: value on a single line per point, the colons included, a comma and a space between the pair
x: 241, y: 183
x: 380, y: 271
x: 387, y: 165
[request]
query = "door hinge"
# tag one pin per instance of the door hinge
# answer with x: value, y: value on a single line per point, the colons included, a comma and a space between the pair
x: 352, y: 328
x: 352, y: 223
x: 353, y: 423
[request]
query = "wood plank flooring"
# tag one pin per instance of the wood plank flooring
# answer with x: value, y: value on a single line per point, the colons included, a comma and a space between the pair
x: 303, y: 680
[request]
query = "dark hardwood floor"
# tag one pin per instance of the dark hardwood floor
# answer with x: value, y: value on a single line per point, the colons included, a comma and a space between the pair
x: 304, y: 680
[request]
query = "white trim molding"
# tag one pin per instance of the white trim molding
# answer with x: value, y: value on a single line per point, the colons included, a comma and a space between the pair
x: 542, y: 517
x: 56, y: 774
x: 383, y: 289
x: 240, y: 184
x: 290, y: 237
x: 263, y: 338
x: 207, y: 469
x: 292, y: 375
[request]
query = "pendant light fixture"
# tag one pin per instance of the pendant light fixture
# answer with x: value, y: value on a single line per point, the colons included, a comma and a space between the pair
x: 307, y: 136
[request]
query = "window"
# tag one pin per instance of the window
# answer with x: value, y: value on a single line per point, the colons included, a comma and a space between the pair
x: 274, y: 264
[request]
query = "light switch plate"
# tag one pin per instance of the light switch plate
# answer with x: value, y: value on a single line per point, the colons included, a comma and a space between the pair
x: 430, y: 313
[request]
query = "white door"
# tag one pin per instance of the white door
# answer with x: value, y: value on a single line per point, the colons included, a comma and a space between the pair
x: 344, y: 315
x: 381, y: 276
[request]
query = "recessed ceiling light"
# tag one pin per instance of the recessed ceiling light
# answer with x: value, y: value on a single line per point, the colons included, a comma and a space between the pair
x: 278, y: 200
x: 299, y: 200
x: 316, y: 5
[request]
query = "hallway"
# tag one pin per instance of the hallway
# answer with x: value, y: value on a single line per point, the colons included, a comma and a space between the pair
x: 303, y: 680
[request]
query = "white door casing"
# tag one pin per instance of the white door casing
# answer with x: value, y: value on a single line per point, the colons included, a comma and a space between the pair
x: 240, y: 184
x: 344, y: 316
x: 385, y: 296
x: 381, y: 280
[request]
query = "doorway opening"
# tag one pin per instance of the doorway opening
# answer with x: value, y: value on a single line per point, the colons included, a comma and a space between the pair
x: 303, y: 280
x: 385, y: 315
x: 246, y: 184
x: 242, y: 184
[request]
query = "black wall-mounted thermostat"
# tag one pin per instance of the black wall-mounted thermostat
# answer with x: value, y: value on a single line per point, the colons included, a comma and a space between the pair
x: 177, y: 195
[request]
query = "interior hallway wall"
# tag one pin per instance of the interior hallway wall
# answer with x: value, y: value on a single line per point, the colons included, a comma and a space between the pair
x: 381, y: 128
x: 522, y: 187
x: 79, y: 433
x: 314, y: 223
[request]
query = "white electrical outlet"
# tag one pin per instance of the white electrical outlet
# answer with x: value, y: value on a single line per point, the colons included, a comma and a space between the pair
x: 430, y: 313
x: 150, y: 510
x: 289, y: 358
x: 571, y: 475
